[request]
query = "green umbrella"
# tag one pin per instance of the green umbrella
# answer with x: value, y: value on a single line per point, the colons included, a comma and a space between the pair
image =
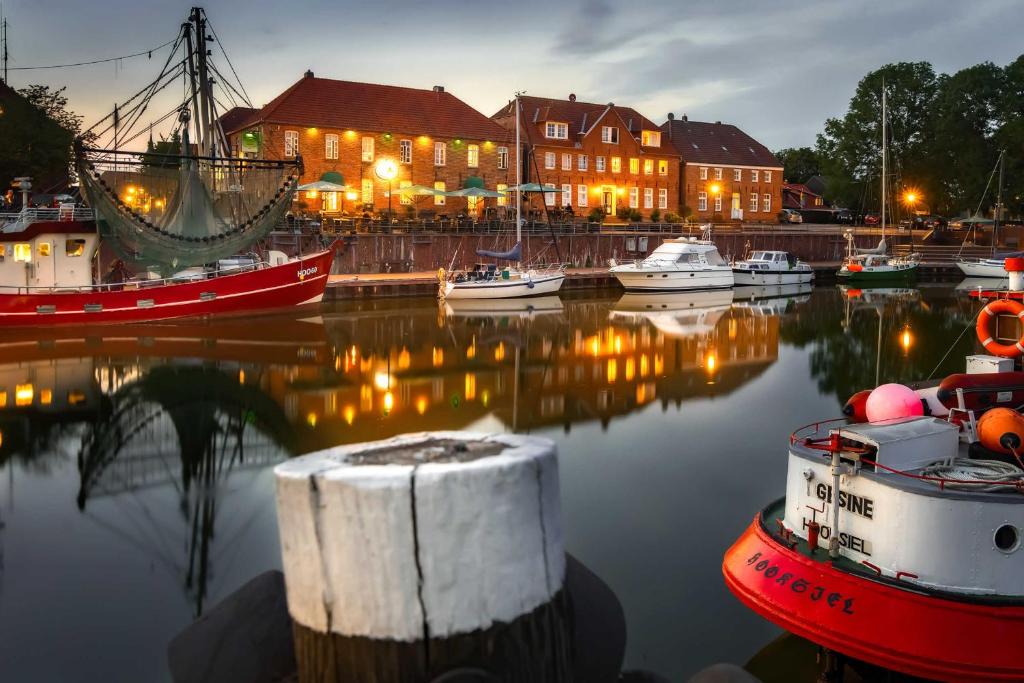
x: 532, y: 187
x: 475, y: 192
x: 322, y: 186
x: 333, y: 177
x: 420, y: 190
x: 473, y: 181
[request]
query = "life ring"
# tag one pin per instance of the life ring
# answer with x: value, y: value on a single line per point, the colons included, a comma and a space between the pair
x: 441, y: 274
x: 985, y: 337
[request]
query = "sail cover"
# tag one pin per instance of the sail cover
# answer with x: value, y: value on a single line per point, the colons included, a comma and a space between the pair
x: 513, y: 254
x: 170, y: 212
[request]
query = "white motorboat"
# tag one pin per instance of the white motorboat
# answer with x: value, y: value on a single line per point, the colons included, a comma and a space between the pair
x: 771, y: 268
x: 677, y: 264
x: 679, y: 315
x: 993, y: 267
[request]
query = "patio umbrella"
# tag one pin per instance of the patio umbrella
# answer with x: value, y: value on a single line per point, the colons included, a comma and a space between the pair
x: 322, y: 186
x: 420, y: 190
x: 475, y: 192
x: 532, y: 187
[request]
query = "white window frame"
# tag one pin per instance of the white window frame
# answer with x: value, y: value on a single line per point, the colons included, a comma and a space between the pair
x: 767, y: 176
x: 703, y: 175
x: 367, y: 149
x: 753, y: 175
x: 566, y: 162
x: 503, y: 158
x: 582, y: 162
x: 663, y: 198
x: 404, y: 198
x: 766, y: 203
x: 648, y: 197
x: 753, y: 202
x: 634, y: 197
x: 599, y: 164
x: 566, y: 194
x: 331, y: 146
x: 737, y: 174
x: 648, y: 166
x: 439, y: 198
x: 502, y: 200
x: 718, y: 173
x: 581, y: 196
x: 702, y: 201
x: 616, y: 164
x: 718, y: 203
x: 610, y: 135
x: 366, y: 191
x: 473, y: 156
x: 556, y: 131
x: 549, y: 160
x: 650, y: 138
x: 634, y: 166
x: 291, y: 143
x: 405, y: 151
x: 549, y: 197
x: 440, y: 154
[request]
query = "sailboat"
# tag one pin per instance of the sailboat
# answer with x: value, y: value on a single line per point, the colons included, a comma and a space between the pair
x: 486, y: 280
x: 876, y: 265
x: 181, y: 218
x: 993, y: 266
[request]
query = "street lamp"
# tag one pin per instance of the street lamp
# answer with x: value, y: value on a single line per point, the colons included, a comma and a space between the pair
x: 386, y: 169
x: 716, y: 191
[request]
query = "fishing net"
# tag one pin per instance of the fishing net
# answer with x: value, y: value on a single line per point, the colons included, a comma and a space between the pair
x: 168, y: 212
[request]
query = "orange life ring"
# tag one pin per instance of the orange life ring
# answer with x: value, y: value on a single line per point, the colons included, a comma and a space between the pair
x: 985, y: 337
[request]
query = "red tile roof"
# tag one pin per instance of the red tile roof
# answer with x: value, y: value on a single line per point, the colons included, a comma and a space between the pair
x: 348, y: 105
x: 799, y: 187
x: 717, y: 143
x: 581, y: 116
x: 237, y: 117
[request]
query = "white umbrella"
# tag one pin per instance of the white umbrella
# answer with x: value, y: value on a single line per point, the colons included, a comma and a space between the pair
x: 322, y: 186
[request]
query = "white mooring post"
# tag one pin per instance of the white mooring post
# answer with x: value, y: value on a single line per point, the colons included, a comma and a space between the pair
x: 395, y: 550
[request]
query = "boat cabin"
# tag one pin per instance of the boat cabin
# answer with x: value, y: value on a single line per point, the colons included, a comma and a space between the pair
x: 770, y: 260
x: 683, y: 251
x: 48, y: 254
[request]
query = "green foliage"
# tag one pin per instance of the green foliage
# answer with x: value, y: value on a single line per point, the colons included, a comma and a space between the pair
x: 32, y: 141
x: 655, y: 216
x: 673, y: 218
x: 635, y: 216
x: 168, y: 146
x: 685, y: 211
x: 799, y: 164
x: 596, y: 216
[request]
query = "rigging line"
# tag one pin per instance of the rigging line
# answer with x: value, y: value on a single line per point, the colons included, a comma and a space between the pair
x: 955, y: 342
x: 158, y: 121
x: 135, y: 116
x: 222, y: 81
x: 172, y: 76
x: 224, y: 52
x: 95, y: 61
x: 132, y: 99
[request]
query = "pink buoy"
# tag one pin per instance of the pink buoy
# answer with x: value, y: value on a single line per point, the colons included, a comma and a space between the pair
x: 891, y: 402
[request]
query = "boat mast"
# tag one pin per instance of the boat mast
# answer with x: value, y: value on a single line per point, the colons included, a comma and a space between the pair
x: 883, y: 160
x: 999, y: 201
x: 519, y: 181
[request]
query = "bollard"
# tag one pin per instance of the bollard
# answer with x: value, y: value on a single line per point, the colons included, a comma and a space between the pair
x: 1015, y: 267
x: 408, y: 557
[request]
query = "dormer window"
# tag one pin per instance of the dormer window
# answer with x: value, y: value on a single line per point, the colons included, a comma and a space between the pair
x: 556, y: 131
x: 650, y: 138
x: 610, y: 134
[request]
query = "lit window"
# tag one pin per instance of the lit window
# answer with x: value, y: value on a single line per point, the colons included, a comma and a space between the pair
x: 502, y: 200
x: 3, y: 253
x: 367, y: 149
x: 634, y: 197
x: 367, y: 191
x: 702, y: 201
x: 405, y: 151
x: 650, y: 138
x: 663, y: 198
x: 23, y: 252
x: 502, y: 158
x: 767, y: 176
x: 718, y: 174
x: 634, y: 166
x: 404, y: 197
x: 753, y: 175
x: 566, y: 162
x: 330, y: 201
x: 549, y: 160
x: 703, y: 172
x: 737, y: 174
x: 599, y: 164
x: 610, y: 134
x: 440, y: 153
x: 291, y: 143
x: 331, y: 146
x: 616, y: 165
x: 74, y: 248
x: 753, y: 201
x: 581, y: 162
x: 648, y: 197
x: 439, y: 199
x: 662, y: 167
x: 766, y: 203
x: 473, y: 156
x: 557, y: 131
x: 581, y: 195
x: 648, y: 166
x: 566, y: 194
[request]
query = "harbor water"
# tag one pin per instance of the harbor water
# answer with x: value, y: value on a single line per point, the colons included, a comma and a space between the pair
x: 136, y: 486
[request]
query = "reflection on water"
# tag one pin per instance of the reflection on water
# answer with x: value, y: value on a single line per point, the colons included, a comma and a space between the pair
x: 136, y: 458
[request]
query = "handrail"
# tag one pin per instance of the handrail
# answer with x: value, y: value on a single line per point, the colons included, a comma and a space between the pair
x: 35, y: 215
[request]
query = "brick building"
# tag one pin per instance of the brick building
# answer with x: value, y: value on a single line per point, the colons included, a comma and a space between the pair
x: 595, y: 156
x: 727, y: 175
x: 344, y: 130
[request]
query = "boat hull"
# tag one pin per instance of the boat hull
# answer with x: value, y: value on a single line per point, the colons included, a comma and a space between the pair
x: 897, y: 275
x: 298, y: 282
x: 504, y: 289
x: 982, y: 269
x: 750, y: 277
x: 900, y: 628
x: 674, y: 280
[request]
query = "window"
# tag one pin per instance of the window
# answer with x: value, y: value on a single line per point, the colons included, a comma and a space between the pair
x: 405, y: 151
x: 767, y: 176
x: 581, y: 195
x: 331, y: 146
x: 44, y: 248
x: 753, y: 175
x: 702, y: 201
x: 367, y: 187
x: 549, y: 160
x: 440, y: 153
x: 718, y: 174
x: 503, y: 158
x: 648, y: 197
x: 367, y: 149
x: 718, y: 203
x: 330, y: 201
x: 404, y: 198
x: 766, y: 203
x: 663, y: 198
x: 650, y: 138
x: 557, y: 131
x: 737, y: 175
x: 648, y: 166
x: 566, y: 194
x: 473, y: 156
x: 703, y: 172
x: 581, y: 162
x: 634, y: 166
x: 610, y: 134
x: 3, y: 253
x: 23, y: 252
x: 566, y: 162
x: 502, y: 187
x: 616, y: 165
x: 663, y: 167
x: 599, y: 164
x: 634, y: 197
x: 439, y: 185
x: 549, y: 197
x: 753, y: 201
x: 291, y: 143
x: 71, y: 248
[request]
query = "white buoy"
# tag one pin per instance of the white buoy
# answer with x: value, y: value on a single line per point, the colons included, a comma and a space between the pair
x: 1015, y: 268
x: 420, y: 536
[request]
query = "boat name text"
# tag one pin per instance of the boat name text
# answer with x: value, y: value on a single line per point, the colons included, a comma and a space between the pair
x: 307, y: 271
x: 858, y: 505
x: 800, y: 585
x: 848, y: 541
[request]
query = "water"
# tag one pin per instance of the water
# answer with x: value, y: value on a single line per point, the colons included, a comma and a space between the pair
x: 135, y: 462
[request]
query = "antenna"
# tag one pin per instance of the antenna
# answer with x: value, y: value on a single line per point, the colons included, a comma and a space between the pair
x: 3, y: 40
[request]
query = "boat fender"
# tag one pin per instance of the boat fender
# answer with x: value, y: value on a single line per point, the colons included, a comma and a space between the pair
x: 440, y: 274
x: 855, y: 267
x: 1001, y: 430
x: 529, y: 284
x: 983, y: 390
x: 856, y: 407
x: 985, y: 335
x: 930, y: 400
x: 892, y: 402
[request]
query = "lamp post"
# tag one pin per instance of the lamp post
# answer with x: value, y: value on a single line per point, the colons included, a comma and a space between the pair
x: 386, y: 169
x: 910, y: 198
x: 716, y: 191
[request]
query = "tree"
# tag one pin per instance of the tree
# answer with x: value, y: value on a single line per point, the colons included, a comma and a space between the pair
x: 799, y: 164
x: 165, y: 146
x: 1009, y: 135
x: 31, y: 143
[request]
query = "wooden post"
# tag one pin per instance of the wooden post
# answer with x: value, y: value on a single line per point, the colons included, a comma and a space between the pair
x: 409, y: 557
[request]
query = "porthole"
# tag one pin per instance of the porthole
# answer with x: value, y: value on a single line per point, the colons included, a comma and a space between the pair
x: 1007, y: 538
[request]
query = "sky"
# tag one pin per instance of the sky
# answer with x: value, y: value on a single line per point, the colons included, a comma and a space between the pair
x: 776, y: 69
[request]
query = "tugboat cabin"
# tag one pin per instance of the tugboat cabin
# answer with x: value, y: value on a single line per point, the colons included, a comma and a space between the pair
x: 47, y: 254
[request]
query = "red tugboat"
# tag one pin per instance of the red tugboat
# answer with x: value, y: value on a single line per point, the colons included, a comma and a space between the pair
x: 920, y: 566
x: 186, y: 215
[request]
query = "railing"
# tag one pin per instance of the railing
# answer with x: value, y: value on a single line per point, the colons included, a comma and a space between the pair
x: 28, y: 216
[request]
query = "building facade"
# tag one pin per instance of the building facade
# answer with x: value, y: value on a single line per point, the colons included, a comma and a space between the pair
x: 595, y: 156
x: 375, y: 140
x: 726, y: 174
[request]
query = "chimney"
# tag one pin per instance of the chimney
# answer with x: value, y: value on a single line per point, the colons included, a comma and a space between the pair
x: 308, y: 74
x: 572, y: 97
x: 718, y: 123
x: 685, y: 117
x: 438, y: 88
x: 671, y: 116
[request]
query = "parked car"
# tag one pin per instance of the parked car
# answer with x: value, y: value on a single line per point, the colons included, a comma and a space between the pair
x: 844, y: 216
x: 790, y: 216
x: 871, y: 219
x: 917, y: 222
x: 935, y: 222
